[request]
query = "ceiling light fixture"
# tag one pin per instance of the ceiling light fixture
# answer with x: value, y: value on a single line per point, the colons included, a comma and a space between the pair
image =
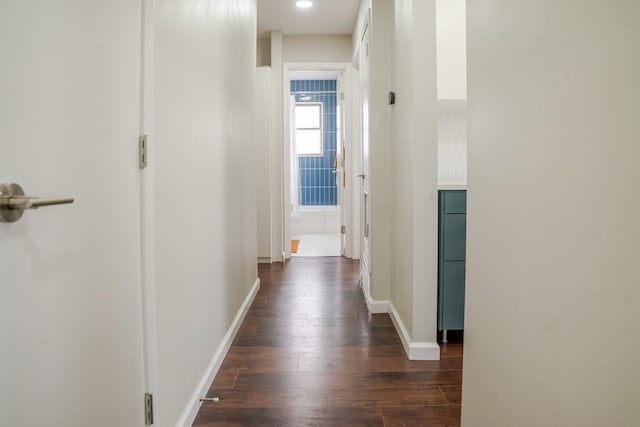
x: 304, y: 4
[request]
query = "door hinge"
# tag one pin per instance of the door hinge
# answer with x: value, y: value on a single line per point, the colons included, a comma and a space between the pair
x: 343, y: 229
x: 142, y: 151
x: 148, y: 409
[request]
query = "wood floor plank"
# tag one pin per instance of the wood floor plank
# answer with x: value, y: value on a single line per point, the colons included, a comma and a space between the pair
x: 452, y: 393
x: 225, y: 379
x: 289, y: 417
x: 352, y: 380
x: 431, y: 416
x: 310, y: 354
x: 260, y: 365
x: 376, y: 364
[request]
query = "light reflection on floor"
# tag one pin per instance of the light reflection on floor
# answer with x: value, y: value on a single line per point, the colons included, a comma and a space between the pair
x: 318, y: 244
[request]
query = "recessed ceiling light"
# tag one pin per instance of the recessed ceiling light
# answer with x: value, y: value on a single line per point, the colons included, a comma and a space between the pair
x: 304, y: 4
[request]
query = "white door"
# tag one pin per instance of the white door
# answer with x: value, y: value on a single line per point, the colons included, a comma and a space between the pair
x: 365, y: 263
x: 70, y: 299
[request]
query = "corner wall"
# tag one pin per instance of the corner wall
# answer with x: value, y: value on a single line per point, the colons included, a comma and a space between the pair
x: 263, y: 167
x: 278, y: 248
x: 415, y: 202
x: 381, y: 157
x: 204, y: 162
x: 553, y: 295
x: 403, y: 169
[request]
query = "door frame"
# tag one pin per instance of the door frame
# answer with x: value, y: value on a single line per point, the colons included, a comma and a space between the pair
x: 364, y: 81
x: 287, y: 68
x: 353, y: 164
x: 147, y: 207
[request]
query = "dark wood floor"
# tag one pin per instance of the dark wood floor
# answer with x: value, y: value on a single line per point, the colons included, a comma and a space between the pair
x: 309, y: 354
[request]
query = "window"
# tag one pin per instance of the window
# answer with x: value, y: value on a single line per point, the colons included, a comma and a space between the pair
x: 309, y: 129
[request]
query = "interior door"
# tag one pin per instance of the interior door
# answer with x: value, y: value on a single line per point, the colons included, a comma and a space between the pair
x: 70, y: 298
x: 365, y: 263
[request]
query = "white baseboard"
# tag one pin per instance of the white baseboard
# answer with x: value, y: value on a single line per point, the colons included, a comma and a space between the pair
x: 414, y: 350
x: 377, y: 307
x: 264, y: 260
x: 193, y: 406
x: 374, y: 306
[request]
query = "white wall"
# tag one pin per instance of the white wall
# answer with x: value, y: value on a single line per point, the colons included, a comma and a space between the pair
x: 425, y: 194
x: 316, y: 49
x: 452, y: 144
x: 316, y: 221
x: 263, y: 54
x: 553, y: 302
x: 205, y: 187
x: 403, y: 174
x: 278, y: 161
x: 381, y: 154
x: 356, y: 36
x: 451, y: 62
x: 415, y: 201
x: 263, y: 165
x: 451, y: 36
x: 404, y: 168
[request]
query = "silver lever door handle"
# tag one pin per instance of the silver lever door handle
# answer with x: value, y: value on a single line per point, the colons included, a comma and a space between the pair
x: 13, y: 202
x: 22, y: 202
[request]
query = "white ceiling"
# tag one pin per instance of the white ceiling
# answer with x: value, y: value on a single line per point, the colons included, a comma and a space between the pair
x: 336, y: 17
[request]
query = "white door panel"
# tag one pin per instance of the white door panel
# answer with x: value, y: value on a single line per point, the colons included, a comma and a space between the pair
x: 365, y: 264
x: 70, y: 305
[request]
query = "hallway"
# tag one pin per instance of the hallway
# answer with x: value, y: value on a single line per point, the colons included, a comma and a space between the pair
x: 308, y: 353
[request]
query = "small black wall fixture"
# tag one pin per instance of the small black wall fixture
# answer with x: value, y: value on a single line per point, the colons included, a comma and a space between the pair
x: 392, y: 98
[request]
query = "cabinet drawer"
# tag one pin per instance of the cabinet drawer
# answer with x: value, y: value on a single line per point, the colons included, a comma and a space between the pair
x: 452, y: 298
x: 455, y: 235
x: 455, y: 202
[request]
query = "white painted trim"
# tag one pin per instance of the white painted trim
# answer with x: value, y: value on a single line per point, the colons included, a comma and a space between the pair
x: 452, y: 186
x: 319, y: 208
x: 287, y: 68
x: 353, y: 166
x: 414, y: 350
x: 377, y: 306
x: 149, y: 321
x: 286, y: 162
x: 374, y: 306
x: 278, y: 201
x: 193, y: 406
x: 264, y: 260
x: 424, y: 351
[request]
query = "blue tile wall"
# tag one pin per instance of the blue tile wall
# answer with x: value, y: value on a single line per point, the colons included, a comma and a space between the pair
x: 317, y: 182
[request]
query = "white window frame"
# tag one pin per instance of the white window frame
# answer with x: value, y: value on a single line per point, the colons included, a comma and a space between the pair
x: 320, y: 128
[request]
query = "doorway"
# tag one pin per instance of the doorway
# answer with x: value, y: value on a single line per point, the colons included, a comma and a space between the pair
x: 316, y: 172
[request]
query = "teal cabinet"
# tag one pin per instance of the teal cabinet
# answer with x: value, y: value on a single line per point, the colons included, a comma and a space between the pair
x: 452, y: 236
